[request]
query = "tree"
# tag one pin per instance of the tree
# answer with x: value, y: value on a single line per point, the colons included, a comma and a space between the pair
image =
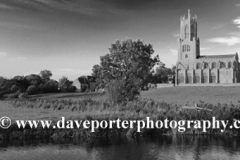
x: 5, y: 86
x: 32, y: 90
x: 164, y: 74
x: 130, y: 63
x: 45, y: 75
x: 21, y: 82
x: 97, y: 72
x: 64, y: 84
x: 50, y: 86
x: 34, y: 79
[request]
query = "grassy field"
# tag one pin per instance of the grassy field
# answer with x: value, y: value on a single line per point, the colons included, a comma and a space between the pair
x: 72, y: 96
x: 193, y: 94
x: 172, y: 95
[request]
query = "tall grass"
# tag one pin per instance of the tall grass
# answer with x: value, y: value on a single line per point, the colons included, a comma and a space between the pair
x: 132, y: 110
x: 135, y: 109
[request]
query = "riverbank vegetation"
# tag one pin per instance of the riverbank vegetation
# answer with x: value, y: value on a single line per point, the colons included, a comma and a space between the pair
x: 102, y: 110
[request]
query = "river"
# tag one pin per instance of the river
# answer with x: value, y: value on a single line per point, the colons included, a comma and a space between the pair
x: 161, y: 148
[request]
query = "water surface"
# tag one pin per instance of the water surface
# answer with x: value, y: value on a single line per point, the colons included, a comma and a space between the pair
x: 161, y: 148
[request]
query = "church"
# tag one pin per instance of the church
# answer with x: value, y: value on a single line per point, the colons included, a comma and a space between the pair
x: 192, y: 67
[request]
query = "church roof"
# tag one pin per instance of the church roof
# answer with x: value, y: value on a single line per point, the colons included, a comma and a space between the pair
x: 217, y: 56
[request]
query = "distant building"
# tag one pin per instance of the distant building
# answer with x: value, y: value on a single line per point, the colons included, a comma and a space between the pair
x: 85, y: 83
x: 195, y: 68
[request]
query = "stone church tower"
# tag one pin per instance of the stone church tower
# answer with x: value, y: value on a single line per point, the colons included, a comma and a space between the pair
x: 194, y: 68
x: 188, y: 43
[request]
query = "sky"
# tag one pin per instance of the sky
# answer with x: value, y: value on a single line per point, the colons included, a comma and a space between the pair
x: 68, y: 37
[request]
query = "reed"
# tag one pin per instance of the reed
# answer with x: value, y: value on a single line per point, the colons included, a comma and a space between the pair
x: 99, y: 110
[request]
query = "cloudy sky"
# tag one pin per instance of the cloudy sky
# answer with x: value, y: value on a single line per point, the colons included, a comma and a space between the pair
x: 69, y: 36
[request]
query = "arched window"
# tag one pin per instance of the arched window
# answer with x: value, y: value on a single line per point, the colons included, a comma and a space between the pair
x: 205, y: 65
x: 189, y: 78
x: 186, y: 31
x: 198, y: 79
x: 192, y: 30
x: 186, y: 56
x: 213, y: 77
x: 186, y: 48
x: 180, y: 78
x: 229, y: 65
x: 235, y: 67
x: 198, y: 65
x: 214, y: 65
x: 205, y: 78
x: 222, y: 65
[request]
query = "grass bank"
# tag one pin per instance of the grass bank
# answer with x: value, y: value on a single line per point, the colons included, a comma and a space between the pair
x: 182, y: 95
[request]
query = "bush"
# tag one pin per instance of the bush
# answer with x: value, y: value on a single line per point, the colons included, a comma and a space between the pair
x: 122, y: 91
x: 83, y: 88
x: 22, y: 95
x: 72, y: 89
x: 50, y: 86
x: 114, y: 91
x: 5, y: 86
x: 32, y: 90
x: 14, y: 95
x: 14, y: 88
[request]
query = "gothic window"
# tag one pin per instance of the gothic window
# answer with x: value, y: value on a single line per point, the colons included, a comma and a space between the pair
x: 205, y: 65
x: 192, y: 30
x: 214, y: 65
x: 222, y: 65
x: 198, y: 65
x: 229, y: 65
x: 186, y: 56
x: 180, y: 78
x: 235, y: 66
x: 213, y: 78
x: 186, y: 48
x: 186, y: 31
x: 205, y: 78
x: 189, y: 78
x: 198, y: 79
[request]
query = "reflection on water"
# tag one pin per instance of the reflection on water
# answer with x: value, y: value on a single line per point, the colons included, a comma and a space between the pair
x: 162, y: 148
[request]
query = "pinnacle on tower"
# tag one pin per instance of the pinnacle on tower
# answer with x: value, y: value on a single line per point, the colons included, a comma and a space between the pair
x: 189, y: 14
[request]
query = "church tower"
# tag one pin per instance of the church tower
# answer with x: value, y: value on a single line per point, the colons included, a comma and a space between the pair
x: 188, y: 42
x: 191, y: 68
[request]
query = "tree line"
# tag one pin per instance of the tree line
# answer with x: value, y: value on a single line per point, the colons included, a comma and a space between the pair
x: 34, y: 84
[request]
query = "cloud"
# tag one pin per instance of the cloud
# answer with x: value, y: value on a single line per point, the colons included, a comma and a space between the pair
x: 238, y: 5
x: 237, y: 22
x: 4, y: 6
x: 202, y: 48
x: 3, y: 54
x: 174, y: 52
x: 230, y: 41
x: 21, y: 58
x: 176, y: 35
x: 70, y: 71
x: 31, y: 72
x: 218, y: 26
x: 90, y: 7
x: 235, y: 34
